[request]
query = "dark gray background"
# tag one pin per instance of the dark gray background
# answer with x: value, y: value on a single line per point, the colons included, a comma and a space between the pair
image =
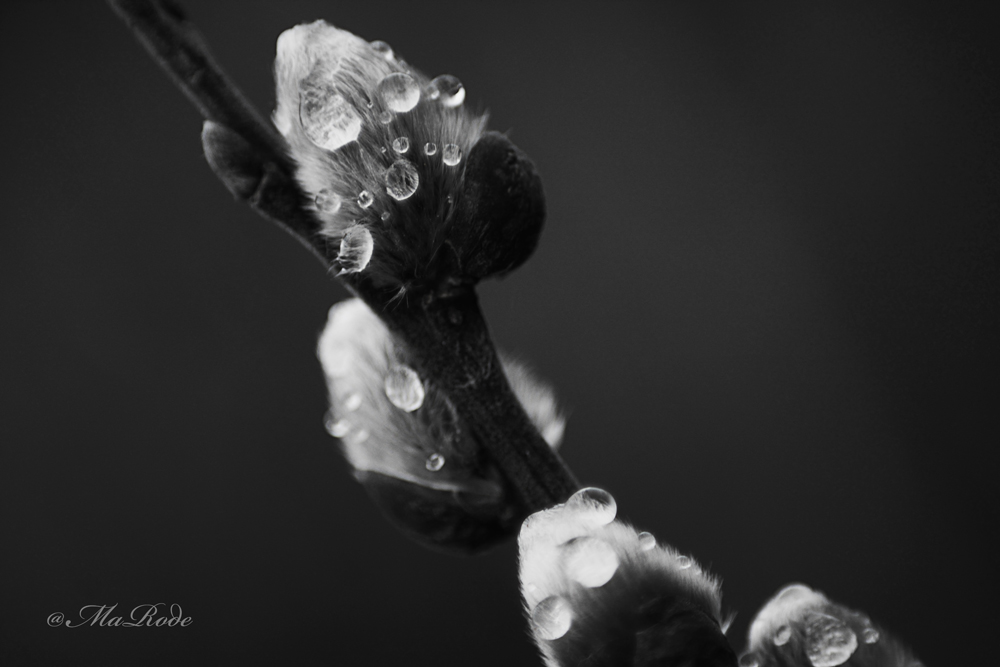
x: 767, y: 291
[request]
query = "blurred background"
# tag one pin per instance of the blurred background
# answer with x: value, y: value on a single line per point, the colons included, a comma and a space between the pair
x: 767, y: 294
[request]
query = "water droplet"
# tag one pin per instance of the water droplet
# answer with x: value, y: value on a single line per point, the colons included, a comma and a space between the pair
x: 327, y: 201
x: 355, y: 249
x: 434, y: 462
x: 384, y: 150
x: 647, y: 541
x: 829, y: 641
x: 451, y: 154
x: 404, y: 388
x: 401, y: 180
x: 530, y: 588
x: 399, y: 92
x: 683, y: 562
x: 328, y: 120
x: 338, y: 428
x: 590, y: 561
x: 870, y: 635
x: 352, y: 402
x: 783, y: 634
x: 596, y: 502
x: 385, y: 215
x: 400, y: 145
x: 447, y: 90
x: 381, y: 48
x: 430, y: 148
x: 365, y: 199
x: 360, y: 436
x: 551, y: 618
x: 385, y: 117
x: 749, y: 660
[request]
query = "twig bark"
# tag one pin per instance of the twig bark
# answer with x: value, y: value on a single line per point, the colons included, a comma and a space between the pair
x: 445, y: 330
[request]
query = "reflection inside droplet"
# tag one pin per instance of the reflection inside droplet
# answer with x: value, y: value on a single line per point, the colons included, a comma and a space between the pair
x: 399, y: 92
x: 447, y: 90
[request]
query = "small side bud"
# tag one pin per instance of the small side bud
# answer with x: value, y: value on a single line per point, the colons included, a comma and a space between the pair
x: 598, y: 593
x: 800, y: 627
x: 415, y: 457
x: 232, y: 159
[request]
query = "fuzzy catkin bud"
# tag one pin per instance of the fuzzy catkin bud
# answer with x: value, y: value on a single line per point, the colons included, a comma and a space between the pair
x: 381, y: 147
x: 416, y: 458
x: 800, y: 627
x: 598, y: 593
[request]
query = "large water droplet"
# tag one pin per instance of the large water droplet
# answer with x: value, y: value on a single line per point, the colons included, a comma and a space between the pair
x: 590, y: 561
x: 451, y: 154
x: 749, y: 660
x: 447, y: 90
x: 870, y: 635
x: 352, y: 402
x: 327, y: 201
x: 597, y: 503
x: 684, y: 562
x: 400, y: 145
x: 328, y: 120
x: 430, y: 148
x: 404, y: 388
x: 551, y: 618
x: 829, y: 641
x: 401, y: 180
x: 365, y: 199
x: 355, y: 249
x: 338, y: 428
x: 647, y: 541
x: 434, y: 462
x: 399, y: 92
x: 782, y: 635
x: 382, y: 49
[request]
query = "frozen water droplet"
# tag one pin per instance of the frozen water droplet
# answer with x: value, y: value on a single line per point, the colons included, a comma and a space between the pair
x: 683, y: 562
x: 783, y: 634
x: 365, y: 199
x: 401, y: 180
x: 404, y: 388
x: 434, y: 462
x: 338, y: 428
x: 590, y: 561
x: 385, y: 117
x: 870, y: 635
x: 447, y: 90
x: 829, y: 641
x: 355, y: 249
x: 551, y: 618
x: 327, y: 201
x: 400, y: 145
x: 352, y: 402
x: 451, y: 154
x: 328, y: 120
x: 385, y: 215
x: 646, y: 541
x: 399, y: 92
x: 596, y: 502
x: 382, y: 49
x: 749, y: 660
x: 430, y: 148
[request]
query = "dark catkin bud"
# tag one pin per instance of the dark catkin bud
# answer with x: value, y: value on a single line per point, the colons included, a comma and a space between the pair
x: 598, y: 593
x: 395, y: 163
x: 414, y: 455
x: 800, y: 627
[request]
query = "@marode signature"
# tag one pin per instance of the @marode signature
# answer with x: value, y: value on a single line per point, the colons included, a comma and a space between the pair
x: 156, y: 615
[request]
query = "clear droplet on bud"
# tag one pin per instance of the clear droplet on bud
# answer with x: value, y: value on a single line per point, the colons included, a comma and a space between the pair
x: 327, y: 201
x: 597, y: 503
x: 404, y: 388
x: 430, y: 148
x: 590, y: 561
x: 646, y: 541
x: 400, y: 145
x: 382, y: 49
x: 385, y: 117
x: 365, y: 199
x: 401, y: 180
x: 447, y: 90
x: 355, y: 249
x: 338, y: 428
x: 399, y: 92
x: 870, y: 635
x: 352, y: 402
x: 434, y: 462
x: 684, y: 562
x: 328, y: 120
x: 551, y: 618
x: 829, y: 641
x: 782, y: 635
x: 451, y: 154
